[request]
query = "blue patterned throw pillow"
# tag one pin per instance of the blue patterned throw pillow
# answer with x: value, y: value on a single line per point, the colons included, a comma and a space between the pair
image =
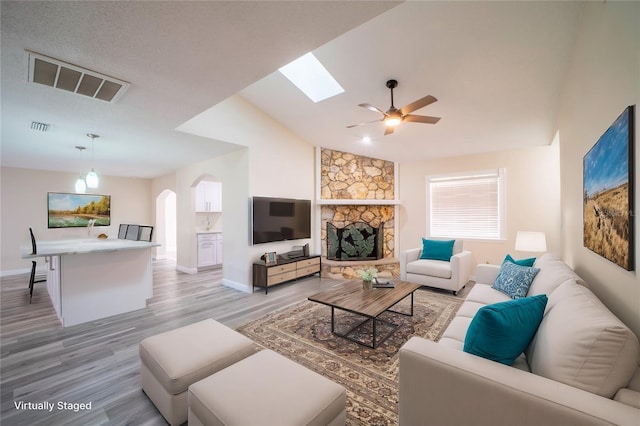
x: 502, y: 331
x: 514, y: 280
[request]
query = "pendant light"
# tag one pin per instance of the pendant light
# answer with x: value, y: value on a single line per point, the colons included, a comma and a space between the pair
x: 81, y: 186
x: 92, y: 176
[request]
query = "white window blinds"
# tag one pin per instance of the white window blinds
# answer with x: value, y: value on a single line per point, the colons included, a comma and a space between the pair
x: 467, y: 205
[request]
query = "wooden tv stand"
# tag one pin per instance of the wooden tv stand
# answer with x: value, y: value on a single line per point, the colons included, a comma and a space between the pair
x: 284, y: 271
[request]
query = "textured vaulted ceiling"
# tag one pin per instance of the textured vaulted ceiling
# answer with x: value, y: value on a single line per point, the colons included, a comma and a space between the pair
x: 497, y: 69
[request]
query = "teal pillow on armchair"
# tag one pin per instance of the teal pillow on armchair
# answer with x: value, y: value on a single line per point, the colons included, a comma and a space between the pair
x: 437, y: 249
x: 502, y: 331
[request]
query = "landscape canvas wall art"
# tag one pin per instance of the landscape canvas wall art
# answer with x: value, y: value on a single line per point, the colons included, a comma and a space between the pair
x: 608, y: 193
x: 76, y: 210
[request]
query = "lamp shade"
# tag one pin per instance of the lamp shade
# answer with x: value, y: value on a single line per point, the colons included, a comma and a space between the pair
x: 92, y: 179
x: 81, y: 186
x: 531, y: 241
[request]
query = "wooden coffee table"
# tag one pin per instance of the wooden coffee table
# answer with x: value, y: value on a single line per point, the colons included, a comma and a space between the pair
x: 351, y: 297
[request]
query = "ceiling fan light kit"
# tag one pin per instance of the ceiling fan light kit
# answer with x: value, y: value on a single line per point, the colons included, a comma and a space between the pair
x: 395, y: 116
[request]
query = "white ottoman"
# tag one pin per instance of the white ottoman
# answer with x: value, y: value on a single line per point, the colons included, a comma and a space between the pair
x: 266, y: 389
x: 174, y: 360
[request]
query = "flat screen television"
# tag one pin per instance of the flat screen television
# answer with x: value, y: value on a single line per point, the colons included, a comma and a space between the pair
x: 279, y: 219
x: 75, y: 210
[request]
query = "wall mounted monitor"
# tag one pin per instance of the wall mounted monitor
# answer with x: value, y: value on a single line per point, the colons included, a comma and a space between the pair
x: 279, y: 219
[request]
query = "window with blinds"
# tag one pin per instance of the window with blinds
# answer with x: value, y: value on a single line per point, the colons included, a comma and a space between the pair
x: 467, y: 205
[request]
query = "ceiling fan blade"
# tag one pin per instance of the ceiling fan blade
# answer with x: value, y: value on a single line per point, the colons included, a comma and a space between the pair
x: 421, y: 119
x: 388, y: 130
x: 372, y: 108
x: 366, y: 122
x: 420, y: 103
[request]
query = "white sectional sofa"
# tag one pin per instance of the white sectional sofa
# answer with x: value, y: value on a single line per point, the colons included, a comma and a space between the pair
x: 581, y: 368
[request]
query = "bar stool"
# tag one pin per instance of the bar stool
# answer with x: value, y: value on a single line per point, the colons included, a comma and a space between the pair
x: 33, y: 280
x: 32, y: 277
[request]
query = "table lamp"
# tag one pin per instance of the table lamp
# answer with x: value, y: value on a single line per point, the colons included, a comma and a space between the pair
x: 531, y: 241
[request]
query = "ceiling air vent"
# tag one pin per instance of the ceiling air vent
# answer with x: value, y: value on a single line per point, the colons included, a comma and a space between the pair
x: 41, y: 127
x: 72, y: 78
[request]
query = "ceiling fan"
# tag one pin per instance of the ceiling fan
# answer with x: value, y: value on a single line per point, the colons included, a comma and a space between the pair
x: 395, y: 116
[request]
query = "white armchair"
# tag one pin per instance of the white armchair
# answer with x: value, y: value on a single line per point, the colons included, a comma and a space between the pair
x: 452, y: 275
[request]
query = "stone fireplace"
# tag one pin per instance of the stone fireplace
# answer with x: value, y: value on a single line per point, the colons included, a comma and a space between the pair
x: 357, y: 190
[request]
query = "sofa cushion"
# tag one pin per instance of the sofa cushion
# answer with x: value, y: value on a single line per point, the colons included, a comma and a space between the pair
x: 502, y: 331
x: 484, y: 294
x: 628, y: 397
x: 432, y: 268
x: 457, y: 329
x: 582, y: 344
x: 553, y: 272
x: 514, y: 280
x: 437, y: 249
x: 469, y: 309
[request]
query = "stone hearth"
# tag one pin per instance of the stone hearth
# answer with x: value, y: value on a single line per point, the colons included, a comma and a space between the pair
x: 388, y: 267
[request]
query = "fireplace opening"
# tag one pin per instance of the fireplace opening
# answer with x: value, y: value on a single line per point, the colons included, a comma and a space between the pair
x: 357, y: 241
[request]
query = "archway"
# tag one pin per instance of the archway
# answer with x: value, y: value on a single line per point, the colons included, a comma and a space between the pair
x: 166, y: 225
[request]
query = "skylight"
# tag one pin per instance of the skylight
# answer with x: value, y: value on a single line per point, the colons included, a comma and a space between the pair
x: 312, y: 78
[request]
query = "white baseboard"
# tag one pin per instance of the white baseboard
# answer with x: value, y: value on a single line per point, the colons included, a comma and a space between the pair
x: 11, y: 272
x: 186, y: 270
x: 237, y: 286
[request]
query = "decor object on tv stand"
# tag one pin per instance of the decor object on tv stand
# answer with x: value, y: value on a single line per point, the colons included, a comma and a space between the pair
x: 266, y: 275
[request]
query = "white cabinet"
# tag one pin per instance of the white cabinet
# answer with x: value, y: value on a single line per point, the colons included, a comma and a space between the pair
x: 218, y: 254
x: 53, y: 283
x: 209, y: 197
x: 209, y: 250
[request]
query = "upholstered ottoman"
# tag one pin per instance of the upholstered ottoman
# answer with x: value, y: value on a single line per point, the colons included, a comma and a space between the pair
x: 174, y: 360
x: 266, y: 389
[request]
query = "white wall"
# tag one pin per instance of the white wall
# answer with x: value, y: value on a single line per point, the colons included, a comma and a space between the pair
x: 231, y: 170
x: 275, y: 163
x: 24, y: 205
x: 532, y: 198
x: 603, y: 79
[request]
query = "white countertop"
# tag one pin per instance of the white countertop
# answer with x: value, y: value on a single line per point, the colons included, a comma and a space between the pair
x: 83, y: 246
x: 208, y: 232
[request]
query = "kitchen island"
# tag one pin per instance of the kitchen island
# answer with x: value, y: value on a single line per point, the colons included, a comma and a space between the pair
x: 91, y: 278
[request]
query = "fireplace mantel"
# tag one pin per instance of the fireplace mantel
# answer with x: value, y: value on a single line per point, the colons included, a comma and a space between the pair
x: 350, y: 202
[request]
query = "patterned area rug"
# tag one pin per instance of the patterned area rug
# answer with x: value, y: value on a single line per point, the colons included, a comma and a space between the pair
x: 303, y: 333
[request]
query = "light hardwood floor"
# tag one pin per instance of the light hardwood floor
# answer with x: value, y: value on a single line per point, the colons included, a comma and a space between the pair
x: 98, y: 362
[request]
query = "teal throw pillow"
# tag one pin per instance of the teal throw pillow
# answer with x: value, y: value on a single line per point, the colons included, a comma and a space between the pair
x: 529, y: 261
x: 514, y: 280
x: 502, y: 331
x: 437, y: 249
